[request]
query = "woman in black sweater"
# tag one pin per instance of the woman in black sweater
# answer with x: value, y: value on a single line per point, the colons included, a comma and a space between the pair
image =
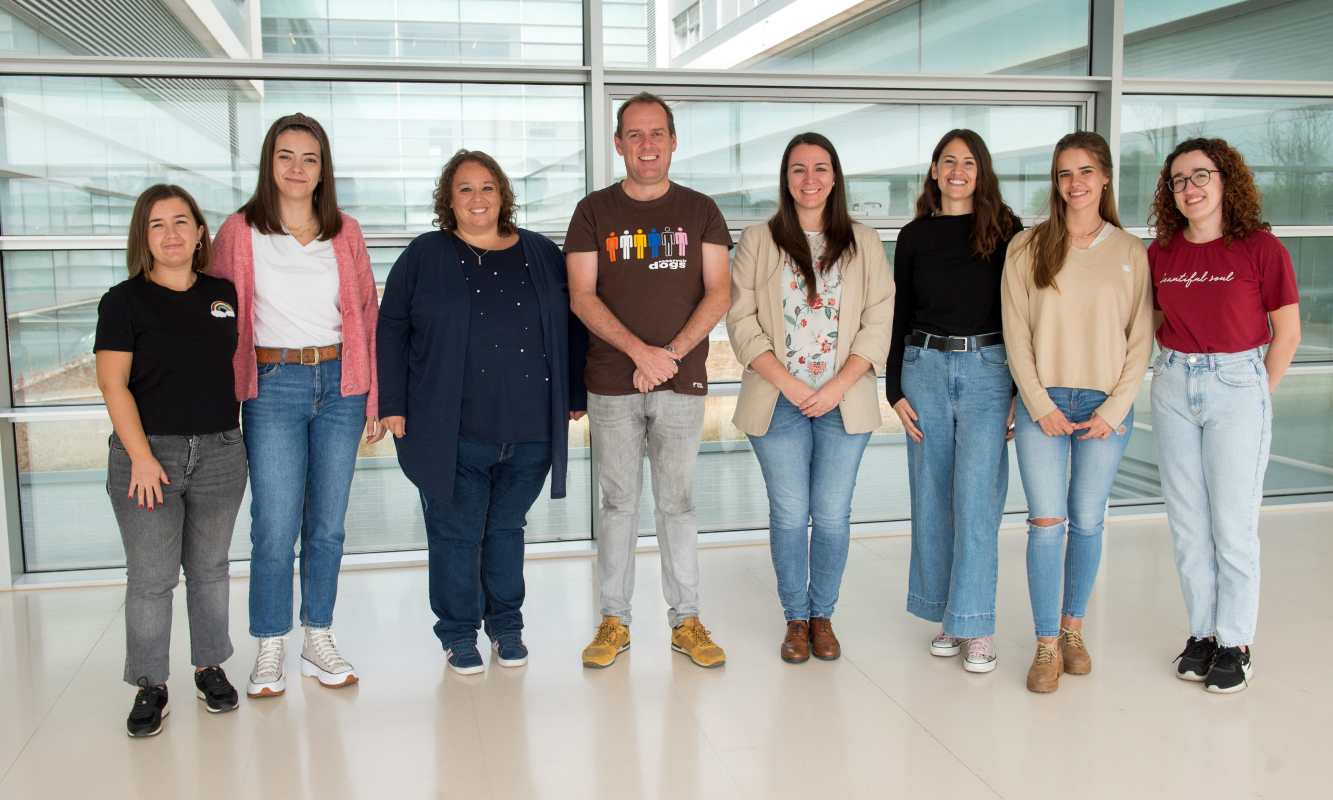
x: 948, y: 380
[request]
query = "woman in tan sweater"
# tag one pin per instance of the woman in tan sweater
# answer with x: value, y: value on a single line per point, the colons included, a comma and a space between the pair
x: 1077, y: 308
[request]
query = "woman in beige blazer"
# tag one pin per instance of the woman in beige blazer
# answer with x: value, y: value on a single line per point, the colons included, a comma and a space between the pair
x: 811, y: 314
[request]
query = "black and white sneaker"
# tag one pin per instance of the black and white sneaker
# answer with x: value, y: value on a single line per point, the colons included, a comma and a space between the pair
x: 1230, y: 672
x: 211, y: 686
x: 150, y: 706
x: 1193, y: 662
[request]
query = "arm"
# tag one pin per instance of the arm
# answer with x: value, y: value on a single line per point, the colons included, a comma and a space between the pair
x: 904, y: 262
x: 716, y: 300
x: 752, y: 345
x: 1138, y: 348
x: 1286, y: 322
x: 1016, y: 310
x: 655, y: 363
x: 393, y: 333
x: 369, y: 316
x: 146, y: 474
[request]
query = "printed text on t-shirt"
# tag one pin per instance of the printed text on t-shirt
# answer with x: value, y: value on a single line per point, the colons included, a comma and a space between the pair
x: 1198, y: 277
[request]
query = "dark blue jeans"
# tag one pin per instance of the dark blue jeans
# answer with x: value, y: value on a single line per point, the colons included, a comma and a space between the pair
x: 475, y: 539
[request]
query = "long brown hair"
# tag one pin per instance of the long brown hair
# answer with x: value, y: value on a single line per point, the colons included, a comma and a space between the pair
x: 138, y: 258
x: 995, y: 221
x: 1242, y: 203
x: 444, y: 190
x: 1049, y: 242
x: 785, y: 226
x: 261, y: 210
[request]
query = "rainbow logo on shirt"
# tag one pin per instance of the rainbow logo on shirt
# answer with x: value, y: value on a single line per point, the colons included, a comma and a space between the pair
x: 221, y: 309
x: 669, y: 245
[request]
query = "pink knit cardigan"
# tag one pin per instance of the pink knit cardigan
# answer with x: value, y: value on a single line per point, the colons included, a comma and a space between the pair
x: 234, y: 259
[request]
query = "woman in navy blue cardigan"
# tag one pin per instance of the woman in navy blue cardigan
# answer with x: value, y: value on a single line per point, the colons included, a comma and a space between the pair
x: 481, y: 369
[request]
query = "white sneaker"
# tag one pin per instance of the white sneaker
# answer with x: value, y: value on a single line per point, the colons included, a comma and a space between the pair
x: 945, y: 646
x: 267, y: 679
x: 321, y: 660
x: 980, y: 655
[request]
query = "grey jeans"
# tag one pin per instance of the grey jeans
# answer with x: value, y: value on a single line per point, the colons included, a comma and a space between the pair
x: 669, y: 425
x: 192, y: 528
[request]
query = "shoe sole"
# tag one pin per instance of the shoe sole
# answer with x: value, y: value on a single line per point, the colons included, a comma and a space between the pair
x: 212, y: 710
x: 980, y: 669
x: 1191, y: 676
x: 332, y: 681
x: 276, y: 689
x: 1078, y: 671
x: 827, y: 658
x: 154, y: 731
x: 595, y: 665
x: 946, y: 652
x: 477, y: 670
x: 794, y: 660
x: 507, y: 662
x: 1240, y: 687
x: 696, y: 663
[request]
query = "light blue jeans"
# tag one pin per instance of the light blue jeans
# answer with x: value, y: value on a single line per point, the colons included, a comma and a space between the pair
x: 1213, y: 420
x: 959, y: 475
x: 302, y: 436
x: 1069, y: 480
x: 809, y: 466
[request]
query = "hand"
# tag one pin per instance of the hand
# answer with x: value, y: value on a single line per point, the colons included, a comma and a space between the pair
x: 575, y: 416
x: 656, y: 364
x: 1009, y: 423
x: 823, y: 401
x: 796, y: 391
x: 374, y: 431
x: 146, y: 479
x: 907, y: 415
x: 642, y: 382
x: 1056, y: 424
x: 1096, y: 428
x: 397, y: 425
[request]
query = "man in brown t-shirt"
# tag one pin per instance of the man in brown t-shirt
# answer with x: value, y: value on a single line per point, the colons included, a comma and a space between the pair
x: 648, y: 275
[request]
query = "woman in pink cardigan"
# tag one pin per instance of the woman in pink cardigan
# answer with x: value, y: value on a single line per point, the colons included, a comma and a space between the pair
x: 305, y: 371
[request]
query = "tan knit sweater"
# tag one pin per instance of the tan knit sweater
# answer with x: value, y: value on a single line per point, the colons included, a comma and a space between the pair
x: 1092, y: 330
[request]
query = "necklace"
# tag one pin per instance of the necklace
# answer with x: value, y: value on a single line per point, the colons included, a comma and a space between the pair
x: 1090, y: 233
x: 474, y: 250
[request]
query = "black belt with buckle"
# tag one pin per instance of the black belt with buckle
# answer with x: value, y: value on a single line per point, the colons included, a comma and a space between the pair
x: 953, y: 344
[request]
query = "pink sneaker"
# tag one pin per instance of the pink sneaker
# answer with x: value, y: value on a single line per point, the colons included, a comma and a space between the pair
x: 945, y: 645
x: 980, y: 655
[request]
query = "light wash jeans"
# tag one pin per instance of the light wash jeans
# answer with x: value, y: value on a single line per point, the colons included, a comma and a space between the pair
x: 959, y: 475
x: 302, y: 436
x: 809, y: 467
x: 1213, y: 420
x: 668, y: 426
x: 1069, y: 480
x: 191, y: 529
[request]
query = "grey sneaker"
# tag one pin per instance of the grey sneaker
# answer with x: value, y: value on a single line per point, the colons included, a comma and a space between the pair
x: 945, y: 645
x: 267, y: 678
x: 321, y: 660
x: 980, y: 655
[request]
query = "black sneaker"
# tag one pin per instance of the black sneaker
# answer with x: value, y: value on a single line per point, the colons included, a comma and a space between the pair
x: 150, y: 706
x: 1230, y: 672
x: 211, y: 686
x: 1194, y: 661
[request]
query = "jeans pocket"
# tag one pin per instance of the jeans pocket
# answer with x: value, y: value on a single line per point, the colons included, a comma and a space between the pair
x: 911, y: 354
x: 232, y: 436
x: 995, y: 356
x: 265, y: 370
x: 1240, y: 375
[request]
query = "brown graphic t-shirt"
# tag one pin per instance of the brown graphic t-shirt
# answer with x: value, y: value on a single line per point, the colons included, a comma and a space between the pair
x: 650, y: 275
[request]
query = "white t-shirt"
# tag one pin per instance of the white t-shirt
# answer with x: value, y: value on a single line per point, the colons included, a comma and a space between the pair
x: 296, y: 292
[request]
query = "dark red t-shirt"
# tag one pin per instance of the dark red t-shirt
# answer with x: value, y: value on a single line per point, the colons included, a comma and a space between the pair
x: 1215, y: 297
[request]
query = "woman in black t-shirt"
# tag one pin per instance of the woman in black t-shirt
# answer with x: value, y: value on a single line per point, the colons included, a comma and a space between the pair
x: 177, y: 468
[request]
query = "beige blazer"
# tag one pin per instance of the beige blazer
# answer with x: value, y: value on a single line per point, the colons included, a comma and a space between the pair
x: 755, y: 322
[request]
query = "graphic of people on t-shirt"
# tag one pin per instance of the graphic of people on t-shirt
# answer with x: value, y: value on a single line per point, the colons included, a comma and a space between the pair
x: 664, y: 249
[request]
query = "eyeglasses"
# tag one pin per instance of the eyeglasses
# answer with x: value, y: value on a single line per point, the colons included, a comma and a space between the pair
x: 1199, y: 177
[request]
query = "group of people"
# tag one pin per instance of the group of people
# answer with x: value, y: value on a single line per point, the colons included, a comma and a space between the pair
x: 489, y: 340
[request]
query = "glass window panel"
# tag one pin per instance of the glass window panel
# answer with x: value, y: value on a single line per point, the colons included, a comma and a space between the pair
x: 1224, y: 39
x: 1287, y: 142
x: 732, y: 149
x: 1029, y: 37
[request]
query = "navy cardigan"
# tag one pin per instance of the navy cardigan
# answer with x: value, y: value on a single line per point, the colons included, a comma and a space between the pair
x: 421, y: 344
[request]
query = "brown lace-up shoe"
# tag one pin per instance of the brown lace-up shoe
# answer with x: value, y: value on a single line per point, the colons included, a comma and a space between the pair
x: 1044, y: 674
x: 823, y: 643
x: 1074, y: 653
x: 796, y: 644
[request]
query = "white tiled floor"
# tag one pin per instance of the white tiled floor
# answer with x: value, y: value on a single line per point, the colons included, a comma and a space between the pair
x: 887, y: 720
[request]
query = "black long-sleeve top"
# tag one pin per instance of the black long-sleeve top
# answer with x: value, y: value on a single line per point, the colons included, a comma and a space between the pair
x: 942, y: 287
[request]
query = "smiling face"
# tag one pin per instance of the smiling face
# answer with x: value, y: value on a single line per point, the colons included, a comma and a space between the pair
x: 646, y: 143
x: 1080, y: 178
x: 810, y: 176
x: 956, y: 172
x: 297, y: 162
x: 475, y: 199
x: 173, y: 234
x: 1199, y: 204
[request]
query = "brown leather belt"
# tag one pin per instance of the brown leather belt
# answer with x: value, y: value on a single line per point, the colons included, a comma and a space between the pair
x: 309, y: 356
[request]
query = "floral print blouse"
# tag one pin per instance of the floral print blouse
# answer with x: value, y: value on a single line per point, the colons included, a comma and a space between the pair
x: 812, y: 328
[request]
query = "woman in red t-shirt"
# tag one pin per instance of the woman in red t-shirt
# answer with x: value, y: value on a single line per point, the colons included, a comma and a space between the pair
x: 1228, y: 326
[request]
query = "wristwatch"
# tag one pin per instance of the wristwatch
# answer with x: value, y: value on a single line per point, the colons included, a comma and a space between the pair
x: 670, y: 348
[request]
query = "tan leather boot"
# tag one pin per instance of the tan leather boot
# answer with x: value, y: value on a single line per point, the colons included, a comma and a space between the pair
x: 1044, y: 674
x: 796, y: 645
x: 1074, y: 653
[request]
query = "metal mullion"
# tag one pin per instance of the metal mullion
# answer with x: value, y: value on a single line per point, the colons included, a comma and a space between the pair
x: 821, y: 82
x: 596, y: 169
x: 1239, y: 88
x: 843, y: 94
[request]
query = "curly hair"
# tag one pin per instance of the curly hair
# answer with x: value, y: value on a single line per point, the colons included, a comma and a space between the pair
x: 1242, y: 202
x: 444, y: 215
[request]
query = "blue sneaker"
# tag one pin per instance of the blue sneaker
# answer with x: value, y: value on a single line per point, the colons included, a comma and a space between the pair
x: 510, y: 651
x: 465, y: 659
